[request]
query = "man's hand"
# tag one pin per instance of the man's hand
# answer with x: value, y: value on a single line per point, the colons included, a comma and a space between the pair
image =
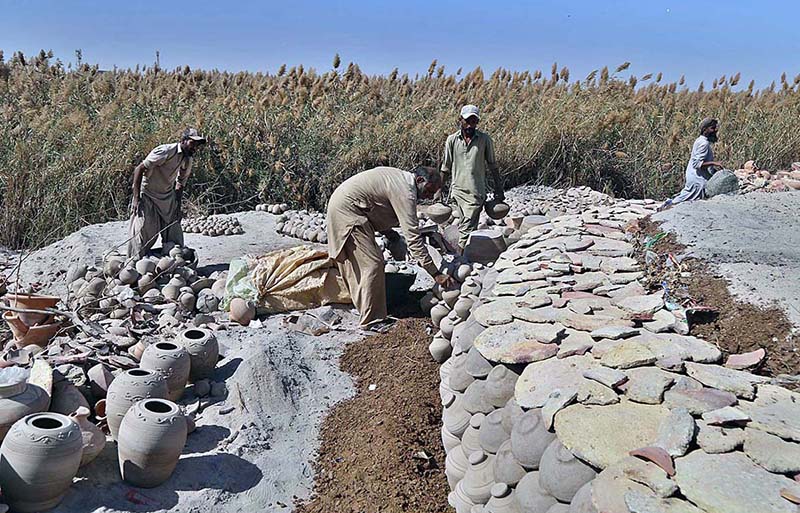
x: 178, y: 186
x: 443, y: 280
x: 499, y: 195
x: 134, y: 205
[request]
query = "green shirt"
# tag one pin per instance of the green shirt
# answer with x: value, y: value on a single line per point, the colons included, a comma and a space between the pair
x: 468, y: 164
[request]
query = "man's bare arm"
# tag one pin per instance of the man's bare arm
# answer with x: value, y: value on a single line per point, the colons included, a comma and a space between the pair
x: 138, y: 173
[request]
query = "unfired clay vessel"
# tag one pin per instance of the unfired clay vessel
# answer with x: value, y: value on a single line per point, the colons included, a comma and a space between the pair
x: 19, y: 400
x: 530, y: 438
x: 561, y: 474
x: 491, y: 433
x: 129, y: 388
x: 151, y: 438
x: 440, y: 349
x: 479, y: 477
x: 172, y: 361
x: 506, y: 468
x: 530, y: 495
x: 455, y: 466
x: 92, y: 437
x: 203, y: 349
x: 502, y: 500
x: 454, y: 417
x: 40, y: 457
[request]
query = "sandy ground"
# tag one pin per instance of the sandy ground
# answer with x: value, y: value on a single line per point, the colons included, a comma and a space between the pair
x: 752, y: 241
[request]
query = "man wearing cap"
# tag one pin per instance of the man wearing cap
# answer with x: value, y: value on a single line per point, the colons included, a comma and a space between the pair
x: 468, y: 154
x: 701, y: 165
x: 157, y: 184
x: 376, y: 200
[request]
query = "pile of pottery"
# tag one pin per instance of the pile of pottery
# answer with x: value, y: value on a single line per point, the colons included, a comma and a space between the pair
x: 273, y: 208
x: 751, y: 178
x: 567, y: 388
x: 31, y: 328
x: 42, y: 450
x: 302, y: 224
x: 213, y: 226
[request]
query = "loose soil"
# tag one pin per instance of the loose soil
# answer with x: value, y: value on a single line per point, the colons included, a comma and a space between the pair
x: 734, y: 326
x: 382, y: 450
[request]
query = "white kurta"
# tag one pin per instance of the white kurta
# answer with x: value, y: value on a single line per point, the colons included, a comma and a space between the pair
x: 697, y: 176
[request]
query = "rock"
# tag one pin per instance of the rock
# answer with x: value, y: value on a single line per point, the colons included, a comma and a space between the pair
x: 614, y: 332
x: 607, y: 376
x: 771, y: 452
x: 648, y: 384
x: 539, y: 379
x: 610, y: 488
x: 556, y: 402
x: 582, y: 502
x: 731, y: 483
x: 640, y: 305
x: 519, y: 342
x: 636, y: 502
x: 574, y: 343
x: 717, y: 440
x: 734, y: 381
x: 729, y: 415
x: 591, y: 392
x: 676, y: 432
x: 662, y: 321
x: 627, y: 354
x: 495, y: 313
x: 775, y: 411
x: 648, y: 474
x: 698, y: 401
x: 601, y: 435
x: 218, y: 389
x: 746, y: 360
x: 202, y: 388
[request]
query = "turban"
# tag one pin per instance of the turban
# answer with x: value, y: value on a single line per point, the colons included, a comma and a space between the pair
x: 706, y: 123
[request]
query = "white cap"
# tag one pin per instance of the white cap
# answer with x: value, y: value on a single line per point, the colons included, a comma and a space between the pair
x: 470, y: 110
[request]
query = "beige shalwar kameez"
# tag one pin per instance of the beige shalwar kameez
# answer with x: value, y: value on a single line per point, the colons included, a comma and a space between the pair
x: 372, y: 201
x: 159, y: 212
x: 468, y: 164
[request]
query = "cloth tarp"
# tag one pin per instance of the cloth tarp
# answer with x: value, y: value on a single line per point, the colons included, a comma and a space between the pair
x: 297, y: 278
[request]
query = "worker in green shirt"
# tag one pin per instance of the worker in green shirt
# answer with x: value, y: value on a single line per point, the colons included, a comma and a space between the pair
x: 468, y: 153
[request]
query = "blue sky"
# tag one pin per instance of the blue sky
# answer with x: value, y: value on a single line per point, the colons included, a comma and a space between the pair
x: 701, y: 39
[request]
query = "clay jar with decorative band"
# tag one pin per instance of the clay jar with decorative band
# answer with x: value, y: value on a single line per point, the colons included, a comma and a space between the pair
x: 129, y: 388
x: 18, y: 400
x: 203, y: 352
x: 40, y: 456
x: 172, y: 361
x: 151, y: 438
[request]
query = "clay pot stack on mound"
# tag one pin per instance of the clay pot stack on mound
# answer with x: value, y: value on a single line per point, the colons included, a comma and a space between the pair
x: 27, y: 327
x: 213, y: 226
x: 305, y: 225
x: 273, y: 208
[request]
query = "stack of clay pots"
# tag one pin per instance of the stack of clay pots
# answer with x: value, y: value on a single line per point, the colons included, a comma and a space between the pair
x: 751, y: 178
x: 213, y: 226
x: 273, y: 208
x: 304, y: 225
x: 27, y: 327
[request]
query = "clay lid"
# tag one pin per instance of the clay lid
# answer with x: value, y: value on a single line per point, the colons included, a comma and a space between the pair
x: 476, y: 420
x: 477, y: 457
x: 500, y: 490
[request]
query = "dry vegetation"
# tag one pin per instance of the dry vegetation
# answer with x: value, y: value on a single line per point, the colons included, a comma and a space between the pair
x: 69, y: 137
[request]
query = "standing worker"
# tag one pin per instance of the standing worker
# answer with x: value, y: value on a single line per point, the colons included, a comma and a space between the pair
x: 375, y: 201
x: 158, y: 183
x: 701, y: 166
x: 468, y: 153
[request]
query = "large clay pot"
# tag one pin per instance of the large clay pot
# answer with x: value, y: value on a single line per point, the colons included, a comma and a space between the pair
x: 561, y: 474
x: 172, y: 361
x: 506, y: 468
x: 92, y: 437
x: 129, y: 388
x: 18, y: 400
x: 151, y: 438
x: 530, y: 438
x: 31, y: 301
x: 40, y: 457
x: 203, y: 349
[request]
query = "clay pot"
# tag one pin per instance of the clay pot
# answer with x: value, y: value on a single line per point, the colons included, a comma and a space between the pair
x: 440, y: 349
x: 530, y: 438
x: 172, y: 361
x: 446, y: 328
x: 39, y: 335
x: 92, y: 437
x: 473, y: 398
x: 31, y: 301
x: 145, y: 266
x: 40, y: 458
x: 502, y: 500
x: 207, y: 302
x: 188, y: 301
x: 449, y: 440
x: 582, y: 502
x: 18, y: 328
x: 242, y: 311
x: 171, y: 292
x: 463, y: 271
x: 506, y: 468
x: 455, y: 466
x: 67, y: 398
x: 500, y: 385
x: 454, y: 418
x: 203, y: 349
x: 460, y: 379
x: 450, y: 297
x: 438, y: 313
x: 479, y: 478
x: 129, y: 388
x: 511, y: 413
x: 75, y: 272
x: 151, y: 438
x: 496, y: 209
x: 491, y: 434
x: 462, y: 307
x: 530, y: 495
x: 459, y: 500
x: 137, y: 350
x: 100, y: 379
x: 18, y: 400
x: 129, y: 276
x: 218, y: 288
x: 477, y: 366
x: 470, y: 440
x: 464, y: 334
x: 439, y: 213
x: 561, y: 474
x: 165, y: 264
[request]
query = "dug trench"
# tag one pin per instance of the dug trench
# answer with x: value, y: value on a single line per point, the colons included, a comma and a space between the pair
x: 381, y: 450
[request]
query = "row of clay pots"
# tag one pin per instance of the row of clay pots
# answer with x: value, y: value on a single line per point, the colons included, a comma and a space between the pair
x: 273, y: 208
x: 213, y: 226
x: 309, y: 226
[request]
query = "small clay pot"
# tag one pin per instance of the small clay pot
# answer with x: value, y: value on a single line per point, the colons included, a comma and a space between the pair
x: 92, y: 437
x: 500, y: 385
x: 449, y: 440
x: 145, y: 266
x: 561, y: 474
x: 491, y: 433
x: 41, y: 455
x: 454, y: 417
x: 151, y: 438
x: 203, y: 349
x: 440, y: 349
x: 530, y: 438
x: 129, y: 276
x: 241, y: 311
x: 173, y: 362
x: 129, y: 388
x: 439, y: 213
x: 455, y: 466
x: 502, y: 500
x: 446, y: 327
x: 506, y: 468
x: 479, y: 477
x: 470, y: 440
x: 439, y: 312
x: 530, y: 495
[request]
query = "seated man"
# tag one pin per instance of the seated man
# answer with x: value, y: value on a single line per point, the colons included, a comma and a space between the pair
x: 375, y: 201
x: 701, y: 165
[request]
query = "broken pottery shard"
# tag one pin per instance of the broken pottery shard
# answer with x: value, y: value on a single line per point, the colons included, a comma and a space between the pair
x: 731, y: 483
x: 640, y: 304
x: 592, y: 322
x: 540, y: 378
x: 601, y: 435
x: 495, y: 312
x: 519, y: 342
x: 591, y: 392
x: 734, y: 381
x: 726, y: 416
x: 640, y: 503
x: 555, y: 403
x: 676, y: 432
x: 699, y: 401
x: 574, y: 343
x: 627, y: 354
x: 662, y: 321
x: 772, y: 452
x: 648, y: 474
x: 658, y: 456
x: 717, y: 440
x: 484, y: 246
x: 614, y: 332
x: 775, y: 411
x: 647, y: 384
x: 610, y: 488
x: 607, y: 376
x: 746, y: 360
x: 546, y: 314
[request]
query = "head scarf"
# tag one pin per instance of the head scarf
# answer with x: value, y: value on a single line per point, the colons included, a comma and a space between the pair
x: 707, y: 122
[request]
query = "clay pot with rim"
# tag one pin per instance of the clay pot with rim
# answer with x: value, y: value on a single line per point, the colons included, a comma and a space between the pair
x: 203, y: 349
x: 479, y: 477
x: 172, y: 361
x: 92, y: 437
x: 151, y: 438
x: 242, y: 311
x: 31, y: 301
x: 17, y: 400
x: 127, y: 389
x: 439, y: 213
x: 40, y: 458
